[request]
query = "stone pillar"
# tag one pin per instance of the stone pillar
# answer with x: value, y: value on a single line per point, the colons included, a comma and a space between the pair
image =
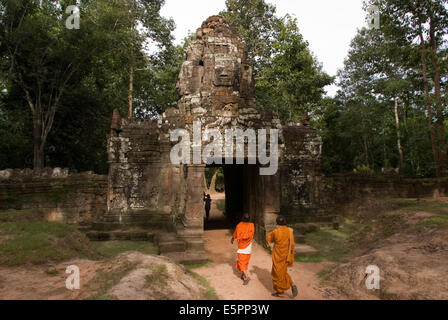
x: 192, y: 228
x: 194, y: 211
x: 272, y: 196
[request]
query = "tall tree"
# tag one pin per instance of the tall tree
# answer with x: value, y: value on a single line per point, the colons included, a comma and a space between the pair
x: 424, y: 22
x: 53, y: 65
x: 42, y: 55
x: 294, y: 75
x: 257, y: 25
x: 287, y: 77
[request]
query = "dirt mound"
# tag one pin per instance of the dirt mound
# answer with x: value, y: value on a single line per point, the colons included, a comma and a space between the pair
x: 410, y: 247
x: 156, y: 278
x: 128, y: 276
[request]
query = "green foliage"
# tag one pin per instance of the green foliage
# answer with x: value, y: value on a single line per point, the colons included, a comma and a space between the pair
x: 51, y: 271
x: 81, y: 75
x: 257, y: 25
x: 288, y: 79
x: 220, y: 182
x: 359, y: 126
x: 221, y: 205
x: 363, y: 171
x: 293, y: 83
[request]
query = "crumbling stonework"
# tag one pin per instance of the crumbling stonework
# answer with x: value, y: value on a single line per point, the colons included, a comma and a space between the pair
x: 216, y: 90
x: 75, y: 198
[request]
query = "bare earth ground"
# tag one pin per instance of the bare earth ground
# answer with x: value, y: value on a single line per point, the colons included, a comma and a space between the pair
x: 129, y: 276
x: 409, y: 244
x: 412, y: 257
x: 222, y: 276
x: 125, y: 276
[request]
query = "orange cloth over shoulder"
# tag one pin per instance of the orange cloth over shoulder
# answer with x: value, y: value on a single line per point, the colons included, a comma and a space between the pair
x: 282, y: 257
x: 244, y: 234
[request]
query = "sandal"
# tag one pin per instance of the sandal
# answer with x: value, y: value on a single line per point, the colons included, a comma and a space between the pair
x: 246, y: 281
x: 276, y: 294
x: 295, y: 292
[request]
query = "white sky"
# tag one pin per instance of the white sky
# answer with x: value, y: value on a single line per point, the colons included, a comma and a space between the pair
x: 328, y: 25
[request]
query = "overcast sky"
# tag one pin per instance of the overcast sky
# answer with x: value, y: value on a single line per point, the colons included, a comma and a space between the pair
x: 328, y: 25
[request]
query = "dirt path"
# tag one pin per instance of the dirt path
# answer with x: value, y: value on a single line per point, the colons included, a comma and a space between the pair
x: 222, y: 275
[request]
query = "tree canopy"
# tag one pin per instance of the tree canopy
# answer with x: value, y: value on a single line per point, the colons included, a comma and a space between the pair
x: 59, y: 86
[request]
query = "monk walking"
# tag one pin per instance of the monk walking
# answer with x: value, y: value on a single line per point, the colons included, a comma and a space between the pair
x: 244, y: 234
x: 282, y: 257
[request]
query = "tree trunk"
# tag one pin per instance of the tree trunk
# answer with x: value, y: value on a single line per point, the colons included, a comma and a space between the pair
x: 212, y: 188
x: 429, y: 107
x: 366, y: 150
x: 397, y: 123
x: 441, y: 141
x: 38, y: 159
x: 131, y: 90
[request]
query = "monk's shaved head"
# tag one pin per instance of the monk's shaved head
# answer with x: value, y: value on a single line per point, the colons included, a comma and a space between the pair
x: 281, y: 221
x: 246, y: 217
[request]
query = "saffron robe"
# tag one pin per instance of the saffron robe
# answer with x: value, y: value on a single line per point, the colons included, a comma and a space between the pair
x: 244, y: 234
x: 282, y: 257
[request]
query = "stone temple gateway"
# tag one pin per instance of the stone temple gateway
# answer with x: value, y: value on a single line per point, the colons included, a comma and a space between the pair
x: 216, y: 88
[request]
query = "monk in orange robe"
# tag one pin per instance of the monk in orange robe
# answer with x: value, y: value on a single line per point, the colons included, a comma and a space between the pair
x: 282, y: 257
x: 244, y: 234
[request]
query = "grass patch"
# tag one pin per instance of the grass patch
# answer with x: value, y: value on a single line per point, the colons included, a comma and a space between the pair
x: 20, y: 215
x: 105, y: 296
x: 333, y: 245
x: 110, y: 249
x: 315, y: 258
x: 439, y: 208
x: 439, y: 222
x: 41, y: 242
x: 23, y: 240
x: 432, y: 206
x: 105, y: 280
x: 221, y: 205
x: 158, y: 276
x: 196, y: 265
x: 209, y: 291
x: 51, y: 271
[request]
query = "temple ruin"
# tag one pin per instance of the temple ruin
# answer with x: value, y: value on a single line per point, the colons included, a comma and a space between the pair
x: 216, y: 89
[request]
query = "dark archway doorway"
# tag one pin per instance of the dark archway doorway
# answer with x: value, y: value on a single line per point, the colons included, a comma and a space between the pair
x: 242, y: 185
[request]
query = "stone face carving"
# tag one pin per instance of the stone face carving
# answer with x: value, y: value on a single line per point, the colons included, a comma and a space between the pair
x: 215, y: 82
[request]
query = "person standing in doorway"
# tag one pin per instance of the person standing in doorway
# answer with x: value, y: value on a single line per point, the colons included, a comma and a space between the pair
x: 208, y: 202
x: 244, y: 234
x: 282, y: 257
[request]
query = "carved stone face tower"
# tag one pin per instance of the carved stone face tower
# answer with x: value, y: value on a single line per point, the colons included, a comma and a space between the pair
x: 215, y: 82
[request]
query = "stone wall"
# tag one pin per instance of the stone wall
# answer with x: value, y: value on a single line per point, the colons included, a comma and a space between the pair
x: 301, y: 176
x: 340, y: 190
x: 74, y: 198
x: 143, y: 185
